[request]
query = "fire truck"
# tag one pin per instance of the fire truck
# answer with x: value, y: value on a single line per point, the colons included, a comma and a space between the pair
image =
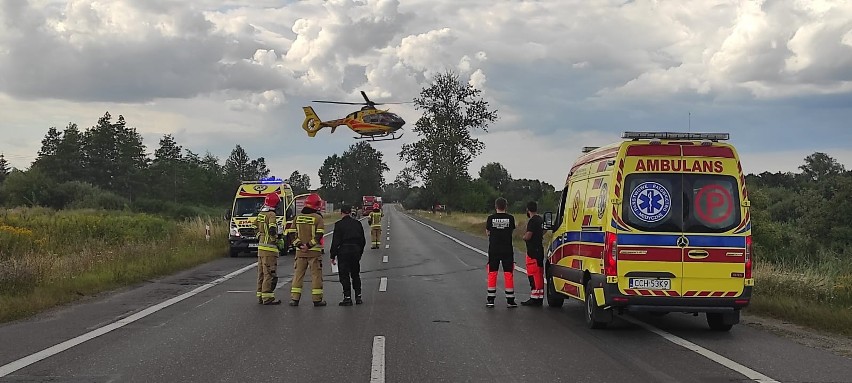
x: 368, y: 200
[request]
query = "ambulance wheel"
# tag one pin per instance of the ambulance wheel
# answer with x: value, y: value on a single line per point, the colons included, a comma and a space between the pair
x: 554, y: 299
x: 716, y: 321
x: 596, y: 317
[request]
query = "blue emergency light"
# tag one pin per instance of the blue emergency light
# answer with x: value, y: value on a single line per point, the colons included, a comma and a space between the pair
x: 271, y: 180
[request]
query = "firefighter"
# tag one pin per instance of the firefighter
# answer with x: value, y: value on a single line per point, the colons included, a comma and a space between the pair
x: 376, y: 226
x: 267, y: 251
x: 347, y: 247
x: 310, y: 230
x: 535, y: 255
x: 499, y: 228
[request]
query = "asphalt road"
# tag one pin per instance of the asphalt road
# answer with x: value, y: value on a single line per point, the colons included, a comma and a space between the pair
x: 424, y: 320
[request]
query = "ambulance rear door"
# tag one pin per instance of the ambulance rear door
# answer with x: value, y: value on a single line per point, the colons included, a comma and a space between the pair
x: 650, y: 263
x: 713, y: 256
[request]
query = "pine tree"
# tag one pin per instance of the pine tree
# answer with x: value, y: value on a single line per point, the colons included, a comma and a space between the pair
x: 46, y: 160
x: 4, y: 168
x: 69, y: 155
x: 238, y: 166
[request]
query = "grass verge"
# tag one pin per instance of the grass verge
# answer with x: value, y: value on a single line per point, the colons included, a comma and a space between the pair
x: 818, y: 296
x: 48, y: 258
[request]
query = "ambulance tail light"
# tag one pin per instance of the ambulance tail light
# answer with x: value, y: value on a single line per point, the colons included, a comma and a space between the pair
x: 610, y: 255
x: 748, y: 261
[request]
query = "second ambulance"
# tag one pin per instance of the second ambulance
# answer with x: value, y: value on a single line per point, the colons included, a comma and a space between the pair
x: 658, y: 222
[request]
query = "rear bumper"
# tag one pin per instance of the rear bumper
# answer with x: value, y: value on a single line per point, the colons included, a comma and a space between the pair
x: 615, y: 299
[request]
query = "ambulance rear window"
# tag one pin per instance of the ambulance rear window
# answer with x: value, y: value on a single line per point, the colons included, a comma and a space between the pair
x: 672, y: 202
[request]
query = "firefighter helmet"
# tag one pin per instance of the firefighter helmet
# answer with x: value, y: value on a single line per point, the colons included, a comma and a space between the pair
x: 272, y: 200
x: 313, y: 201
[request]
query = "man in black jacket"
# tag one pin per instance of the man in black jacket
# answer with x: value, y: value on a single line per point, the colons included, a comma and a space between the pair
x: 347, y: 246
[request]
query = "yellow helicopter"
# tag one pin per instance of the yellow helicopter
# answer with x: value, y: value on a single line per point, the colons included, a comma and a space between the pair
x: 369, y: 123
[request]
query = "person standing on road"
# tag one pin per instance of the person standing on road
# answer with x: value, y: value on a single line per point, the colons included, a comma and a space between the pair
x: 347, y: 247
x: 534, y: 238
x: 267, y: 251
x: 310, y: 229
x: 499, y: 228
x: 376, y: 226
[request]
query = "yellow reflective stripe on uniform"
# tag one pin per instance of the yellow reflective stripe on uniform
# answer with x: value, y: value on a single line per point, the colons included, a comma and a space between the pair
x: 259, y: 294
x: 267, y: 295
x: 297, y: 290
x: 305, y: 219
x: 321, y: 231
x: 273, y: 249
x: 316, y: 291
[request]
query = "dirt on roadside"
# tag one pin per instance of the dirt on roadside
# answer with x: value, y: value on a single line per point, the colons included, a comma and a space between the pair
x: 834, y: 343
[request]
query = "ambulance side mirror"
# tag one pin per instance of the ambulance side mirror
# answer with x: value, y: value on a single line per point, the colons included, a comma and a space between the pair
x: 746, y: 203
x: 548, y: 221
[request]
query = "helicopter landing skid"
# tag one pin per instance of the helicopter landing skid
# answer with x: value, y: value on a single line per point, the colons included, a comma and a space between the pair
x: 386, y: 137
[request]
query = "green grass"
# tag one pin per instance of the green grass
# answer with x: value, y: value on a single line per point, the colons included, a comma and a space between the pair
x: 813, y: 294
x: 48, y: 258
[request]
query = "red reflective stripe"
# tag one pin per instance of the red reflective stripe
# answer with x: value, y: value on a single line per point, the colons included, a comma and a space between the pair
x: 690, y: 293
x: 708, y: 151
x: 703, y: 293
x: 718, y: 293
x: 658, y: 292
x: 674, y: 293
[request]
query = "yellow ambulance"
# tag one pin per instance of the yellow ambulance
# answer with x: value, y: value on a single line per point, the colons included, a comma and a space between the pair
x: 248, y: 200
x: 658, y: 222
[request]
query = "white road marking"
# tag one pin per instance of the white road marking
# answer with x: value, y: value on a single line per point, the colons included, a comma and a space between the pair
x: 387, y: 246
x: 385, y: 259
x: 51, y: 351
x: 56, y: 349
x: 377, y: 370
x: 745, y: 371
x: 283, y: 282
x: 388, y: 238
x: 518, y: 268
x: 383, y: 284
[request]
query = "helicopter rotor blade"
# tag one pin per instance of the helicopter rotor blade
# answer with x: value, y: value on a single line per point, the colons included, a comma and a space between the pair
x: 392, y: 103
x: 340, y: 102
x: 366, y: 99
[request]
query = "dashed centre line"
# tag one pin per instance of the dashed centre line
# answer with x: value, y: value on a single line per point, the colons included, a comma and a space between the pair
x: 377, y: 369
x: 385, y: 259
x: 383, y: 284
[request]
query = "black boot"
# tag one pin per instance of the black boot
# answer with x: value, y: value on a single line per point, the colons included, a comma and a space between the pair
x: 345, y: 302
x: 294, y: 303
x: 358, y: 300
x: 272, y: 302
x: 532, y: 302
x: 320, y: 304
x: 510, y: 303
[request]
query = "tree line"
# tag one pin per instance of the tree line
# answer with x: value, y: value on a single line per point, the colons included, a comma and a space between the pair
x: 106, y: 166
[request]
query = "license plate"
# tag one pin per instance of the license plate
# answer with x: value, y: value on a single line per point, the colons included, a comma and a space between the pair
x: 650, y: 284
x: 252, y: 245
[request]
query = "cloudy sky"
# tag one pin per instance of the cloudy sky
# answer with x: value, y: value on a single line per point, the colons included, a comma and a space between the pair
x: 776, y: 74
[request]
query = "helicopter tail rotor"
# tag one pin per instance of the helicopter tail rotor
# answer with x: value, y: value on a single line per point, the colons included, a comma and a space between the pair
x: 312, y: 123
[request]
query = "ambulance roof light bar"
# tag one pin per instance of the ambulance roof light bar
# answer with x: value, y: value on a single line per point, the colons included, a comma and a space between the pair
x: 676, y: 136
